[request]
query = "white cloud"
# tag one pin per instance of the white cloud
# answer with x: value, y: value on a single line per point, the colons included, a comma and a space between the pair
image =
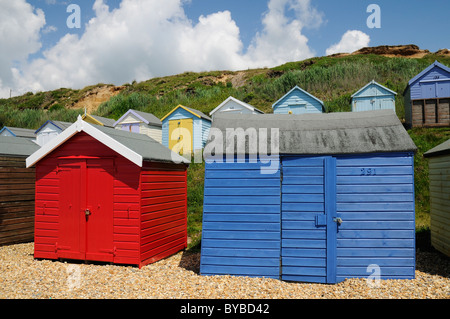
x: 351, y: 41
x: 20, y: 26
x: 147, y: 38
x: 281, y: 39
x: 49, y: 29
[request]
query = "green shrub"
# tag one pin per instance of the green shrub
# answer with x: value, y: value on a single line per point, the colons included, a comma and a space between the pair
x: 56, y: 107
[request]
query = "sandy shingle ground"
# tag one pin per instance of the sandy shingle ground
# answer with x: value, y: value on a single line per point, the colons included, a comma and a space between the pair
x: 23, y: 277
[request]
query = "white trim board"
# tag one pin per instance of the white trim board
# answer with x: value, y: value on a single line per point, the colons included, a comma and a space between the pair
x: 82, y: 126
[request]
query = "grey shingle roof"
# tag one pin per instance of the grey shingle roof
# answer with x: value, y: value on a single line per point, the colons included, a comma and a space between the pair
x: 143, y: 145
x: 17, y: 146
x: 21, y: 132
x: 199, y: 113
x: 442, y: 149
x: 106, y: 121
x: 62, y: 125
x: 152, y: 119
x: 324, y: 134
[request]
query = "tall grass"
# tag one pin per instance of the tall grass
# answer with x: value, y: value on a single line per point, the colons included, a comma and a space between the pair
x: 195, y: 180
x: 334, y: 82
x: 425, y: 139
x: 34, y: 118
x: 201, y: 98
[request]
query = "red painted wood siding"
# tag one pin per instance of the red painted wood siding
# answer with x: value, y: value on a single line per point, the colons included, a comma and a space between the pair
x: 126, y: 199
x: 46, y: 211
x: 163, y: 211
x: 126, y: 212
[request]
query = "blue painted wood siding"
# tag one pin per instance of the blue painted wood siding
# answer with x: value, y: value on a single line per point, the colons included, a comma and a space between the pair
x: 375, y: 199
x: 241, y: 221
x: 206, y: 127
x: 200, y: 130
x: 252, y: 226
x: 373, y: 98
x: 433, y: 84
x: 298, y: 103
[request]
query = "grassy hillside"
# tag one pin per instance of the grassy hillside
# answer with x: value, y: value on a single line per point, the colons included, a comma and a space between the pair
x: 332, y: 79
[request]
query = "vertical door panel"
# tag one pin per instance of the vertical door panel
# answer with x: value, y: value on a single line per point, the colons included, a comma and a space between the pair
x: 181, y: 136
x: 135, y: 128
x: 71, y: 230
x: 99, y: 224
x: 443, y: 89
x: 428, y: 90
x: 86, y: 185
x: 306, y: 216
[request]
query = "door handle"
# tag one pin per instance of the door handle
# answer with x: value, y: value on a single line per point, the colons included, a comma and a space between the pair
x: 87, y: 212
x: 338, y: 220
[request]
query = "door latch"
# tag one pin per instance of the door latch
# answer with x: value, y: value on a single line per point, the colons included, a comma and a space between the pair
x: 338, y: 221
x: 87, y: 212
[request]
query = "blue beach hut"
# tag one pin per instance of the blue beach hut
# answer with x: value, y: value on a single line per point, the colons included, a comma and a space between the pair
x: 298, y: 101
x: 372, y: 97
x: 185, y: 130
x: 339, y: 201
x: 427, y: 97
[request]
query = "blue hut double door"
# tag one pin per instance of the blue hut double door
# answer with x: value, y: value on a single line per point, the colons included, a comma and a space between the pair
x: 309, y: 222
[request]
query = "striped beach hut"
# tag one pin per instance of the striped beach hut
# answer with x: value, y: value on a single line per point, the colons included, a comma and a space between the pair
x: 334, y: 198
x: 185, y: 130
x: 140, y: 122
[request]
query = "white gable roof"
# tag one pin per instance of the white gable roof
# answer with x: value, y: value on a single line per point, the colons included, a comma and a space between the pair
x: 246, y: 105
x: 134, y: 147
x: 375, y: 83
x: 297, y: 88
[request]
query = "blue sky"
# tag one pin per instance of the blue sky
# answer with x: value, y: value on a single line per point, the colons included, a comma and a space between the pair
x: 162, y: 37
x: 403, y: 21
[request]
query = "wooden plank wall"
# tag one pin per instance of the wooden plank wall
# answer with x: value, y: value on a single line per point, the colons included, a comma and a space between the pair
x: 163, y: 211
x: 47, y: 210
x: 440, y: 203
x: 295, y: 98
x: 126, y: 212
x: 430, y: 113
x: 16, y: 201
x: 241, y: 221
x: 375, y: 199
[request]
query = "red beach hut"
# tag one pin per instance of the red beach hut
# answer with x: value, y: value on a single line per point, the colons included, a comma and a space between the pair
x: 110, y: 196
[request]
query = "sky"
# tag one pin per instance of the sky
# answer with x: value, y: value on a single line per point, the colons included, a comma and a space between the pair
x: 49, y: 44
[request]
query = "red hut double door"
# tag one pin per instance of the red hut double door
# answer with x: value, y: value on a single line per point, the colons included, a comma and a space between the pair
x: 86, y: 209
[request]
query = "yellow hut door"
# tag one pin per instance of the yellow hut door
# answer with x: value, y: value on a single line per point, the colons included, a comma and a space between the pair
x: 181, y: 136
